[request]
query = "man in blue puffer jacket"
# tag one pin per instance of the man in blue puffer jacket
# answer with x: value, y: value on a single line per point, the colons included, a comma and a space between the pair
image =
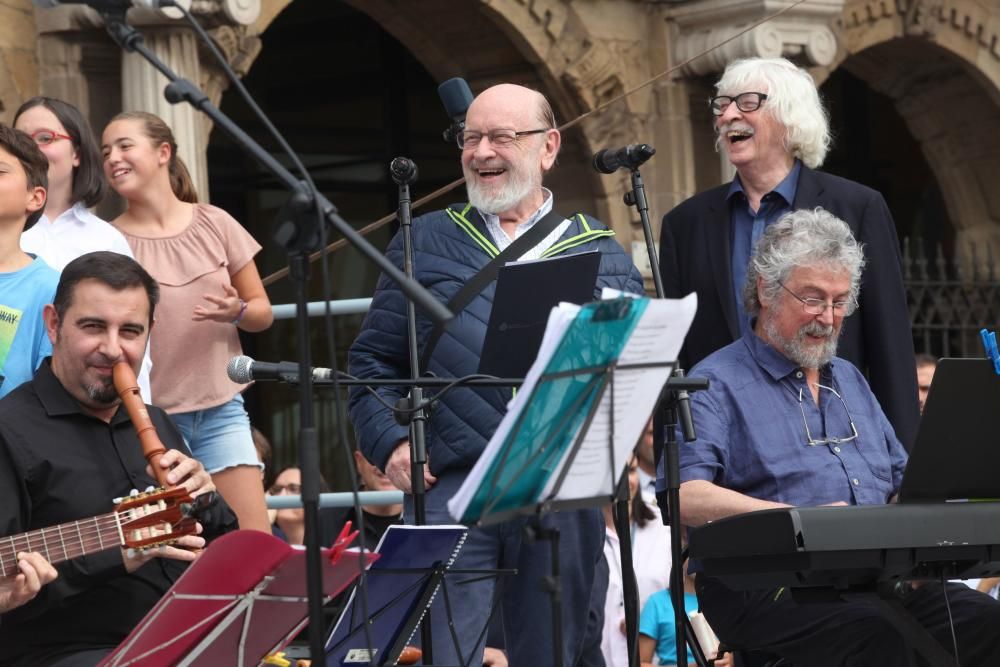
x: 509, y: 142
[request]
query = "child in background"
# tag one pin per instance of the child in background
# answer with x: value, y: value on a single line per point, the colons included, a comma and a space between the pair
x: 27, y: 283
x: 657, y: 631
x: 203, y: 260
x: 76, y: 183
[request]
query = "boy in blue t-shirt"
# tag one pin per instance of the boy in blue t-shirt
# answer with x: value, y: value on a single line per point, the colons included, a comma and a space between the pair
x: 657, y: 630
x: 27, y: 284
x: 656, y: 627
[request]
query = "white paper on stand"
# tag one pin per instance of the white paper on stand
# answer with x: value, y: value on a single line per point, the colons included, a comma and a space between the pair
x: 657, y: 338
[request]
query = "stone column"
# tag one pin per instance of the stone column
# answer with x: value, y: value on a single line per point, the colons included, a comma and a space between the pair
x: 18, y: 65
x: 176, y: 45
x: 142, y: 90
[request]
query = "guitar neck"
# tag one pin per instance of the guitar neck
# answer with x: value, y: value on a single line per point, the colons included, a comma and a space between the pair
x: 63, y: 542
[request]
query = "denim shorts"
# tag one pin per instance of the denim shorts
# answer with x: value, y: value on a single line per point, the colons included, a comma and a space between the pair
x: 219, y: 437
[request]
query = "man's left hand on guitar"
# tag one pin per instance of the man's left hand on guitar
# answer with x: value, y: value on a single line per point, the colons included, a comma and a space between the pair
x: 35, y: 573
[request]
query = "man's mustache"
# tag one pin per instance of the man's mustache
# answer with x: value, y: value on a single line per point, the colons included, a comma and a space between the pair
x: 816, y: 329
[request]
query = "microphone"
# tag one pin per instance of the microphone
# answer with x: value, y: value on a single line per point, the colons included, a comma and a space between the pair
x: 403, y: 170
x: 167, y: 7
x: 456, y: 96
x: 609, y: 161
x: 243, y: 369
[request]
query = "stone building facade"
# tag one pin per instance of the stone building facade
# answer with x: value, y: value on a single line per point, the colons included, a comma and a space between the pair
x: 938, y: 61
x: 930, y: 70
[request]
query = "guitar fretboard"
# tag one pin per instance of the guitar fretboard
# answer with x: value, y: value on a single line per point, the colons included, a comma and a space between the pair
x: 63, y: 542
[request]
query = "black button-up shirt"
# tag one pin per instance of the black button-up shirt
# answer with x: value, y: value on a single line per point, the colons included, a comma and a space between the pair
x: 60, y: 464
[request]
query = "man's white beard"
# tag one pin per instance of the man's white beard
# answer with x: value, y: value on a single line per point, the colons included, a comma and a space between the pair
x: 796, y: 349
x: 520, y: 184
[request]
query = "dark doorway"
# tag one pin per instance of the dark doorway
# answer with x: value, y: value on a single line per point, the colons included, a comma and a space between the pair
x: 872, y: 145
x: 348, y: 97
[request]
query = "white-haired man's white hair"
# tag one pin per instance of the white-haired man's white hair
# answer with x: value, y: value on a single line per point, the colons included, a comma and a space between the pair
x: 792, y: 99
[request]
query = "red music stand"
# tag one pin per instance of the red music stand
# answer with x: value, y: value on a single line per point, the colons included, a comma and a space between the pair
x: 242, y: 599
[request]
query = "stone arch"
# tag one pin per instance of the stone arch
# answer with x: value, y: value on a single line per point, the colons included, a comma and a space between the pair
x: 547, y: 44
x: 940, y: 64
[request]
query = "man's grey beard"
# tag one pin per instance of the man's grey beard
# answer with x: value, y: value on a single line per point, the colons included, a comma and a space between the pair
x: 518, y: 187
x: 796, y: 349
x: 104, y: 393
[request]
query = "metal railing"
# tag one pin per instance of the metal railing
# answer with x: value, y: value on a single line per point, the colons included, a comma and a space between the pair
x: 286, y: 311
x: 337, y: 499
x: 950, y: 300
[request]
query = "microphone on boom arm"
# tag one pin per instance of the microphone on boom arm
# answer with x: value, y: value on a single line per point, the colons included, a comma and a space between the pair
x: 456, y: 96
x: 608, y: 161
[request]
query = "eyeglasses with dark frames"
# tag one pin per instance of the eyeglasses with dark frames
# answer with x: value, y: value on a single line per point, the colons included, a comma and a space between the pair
x: 46, y: 137
x: 812, y: 442
x: 745, y: 102
x: 471, y: 138
x: 819, y: 306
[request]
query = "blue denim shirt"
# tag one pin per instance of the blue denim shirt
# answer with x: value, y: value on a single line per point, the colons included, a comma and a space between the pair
x: 751, y: 437
x: 748, y: 226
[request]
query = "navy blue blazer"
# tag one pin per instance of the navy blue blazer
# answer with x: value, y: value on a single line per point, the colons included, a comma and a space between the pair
x: 695, y: 252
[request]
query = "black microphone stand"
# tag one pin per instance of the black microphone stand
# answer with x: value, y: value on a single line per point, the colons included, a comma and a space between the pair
x: 674, y: 399
x: 300, y: 233
x: 404, y: 172
x: 623, y: 522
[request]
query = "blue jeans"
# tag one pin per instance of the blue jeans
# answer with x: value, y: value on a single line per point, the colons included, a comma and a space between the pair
x: 219, y: 437
x: 526, y: 608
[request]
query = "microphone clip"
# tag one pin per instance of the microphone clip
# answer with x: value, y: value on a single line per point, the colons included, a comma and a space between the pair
x: 404, y: 410
x: 450, y: 135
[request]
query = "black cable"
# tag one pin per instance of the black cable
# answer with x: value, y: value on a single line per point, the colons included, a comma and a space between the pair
x: 424, y: 404
x: 951, y: 621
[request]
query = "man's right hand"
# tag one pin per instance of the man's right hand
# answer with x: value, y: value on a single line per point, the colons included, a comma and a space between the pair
x: 397, y: 469
x: 185, y: 548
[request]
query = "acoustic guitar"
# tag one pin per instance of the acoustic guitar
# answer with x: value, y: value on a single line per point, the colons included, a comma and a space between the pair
x: 140, y: 522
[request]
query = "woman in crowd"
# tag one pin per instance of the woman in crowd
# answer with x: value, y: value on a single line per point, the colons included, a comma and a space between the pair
x: 290, y: 524
x: 76, y: 184
x: 650, y: 559
x: 210, y: 287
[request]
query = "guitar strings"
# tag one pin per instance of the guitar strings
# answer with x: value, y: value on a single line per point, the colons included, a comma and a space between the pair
x: 84, y: 535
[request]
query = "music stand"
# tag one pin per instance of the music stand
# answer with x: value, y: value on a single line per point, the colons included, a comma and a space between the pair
x: 543, y: 450
x: 954, y: 456
x: 517, y: 322
x: 217, y: 614
x: 401, y: 585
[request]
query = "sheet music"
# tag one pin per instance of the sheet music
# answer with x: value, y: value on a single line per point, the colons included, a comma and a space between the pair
x: 656, y: 337
x: 559, y: 320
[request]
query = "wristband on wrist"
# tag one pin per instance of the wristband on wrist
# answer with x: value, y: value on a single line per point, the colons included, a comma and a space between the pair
x: 243, y: 310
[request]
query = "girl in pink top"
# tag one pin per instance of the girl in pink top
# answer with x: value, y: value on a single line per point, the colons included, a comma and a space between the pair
x: 209, y: 285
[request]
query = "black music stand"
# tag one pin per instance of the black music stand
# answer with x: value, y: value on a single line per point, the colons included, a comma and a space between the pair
x: 526, y: 475
x: 955, y: 456
x: 411, y: 566
x: 517, y: 323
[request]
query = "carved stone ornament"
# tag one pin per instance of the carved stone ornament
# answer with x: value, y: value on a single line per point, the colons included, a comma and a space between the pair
x: 923, y: 18
x: 239, y: 12
x: 802, y: 34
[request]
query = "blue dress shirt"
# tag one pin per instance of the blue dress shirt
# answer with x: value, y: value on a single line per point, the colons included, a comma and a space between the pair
x: 751, y: 436
x: 748, y: 226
